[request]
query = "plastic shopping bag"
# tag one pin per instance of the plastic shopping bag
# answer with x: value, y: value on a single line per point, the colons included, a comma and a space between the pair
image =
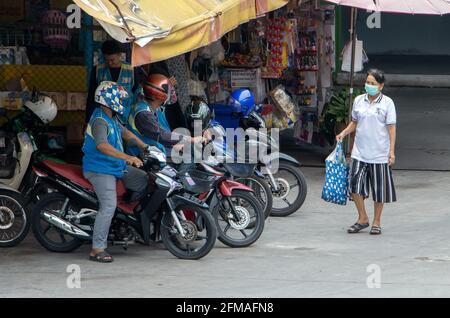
x: 335, y: 188
x: 360, y: 57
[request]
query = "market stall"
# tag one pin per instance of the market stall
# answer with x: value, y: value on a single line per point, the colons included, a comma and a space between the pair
x: 285, y: 58
x: 38, y: 47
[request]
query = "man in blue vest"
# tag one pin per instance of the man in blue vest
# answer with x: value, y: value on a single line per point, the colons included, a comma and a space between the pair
x: 105, y: 161
x: 116, y: 71
x: 146, y: 122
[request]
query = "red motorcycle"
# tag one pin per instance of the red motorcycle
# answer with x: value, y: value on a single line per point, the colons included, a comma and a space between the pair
x: 63, y: 220
x: 238, y: 215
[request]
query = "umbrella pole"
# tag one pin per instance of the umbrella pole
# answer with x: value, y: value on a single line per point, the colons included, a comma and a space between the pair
x: 354, y: 15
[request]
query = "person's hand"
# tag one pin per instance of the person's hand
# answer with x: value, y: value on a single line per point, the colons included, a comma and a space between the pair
x: 391, y: 158
x: 178, y: 147
x: 340, y: 137
x: 207, y: 135
x: 134, y: 161
x: 198, y: 139
x: 173, y: 81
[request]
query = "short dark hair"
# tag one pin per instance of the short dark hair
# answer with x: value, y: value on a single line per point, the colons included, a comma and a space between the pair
x: 110, y: 47
x: 377, y: 74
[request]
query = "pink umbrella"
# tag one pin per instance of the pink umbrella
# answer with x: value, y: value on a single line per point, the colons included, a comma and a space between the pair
x: 437, y: 7
x: 433, y: 7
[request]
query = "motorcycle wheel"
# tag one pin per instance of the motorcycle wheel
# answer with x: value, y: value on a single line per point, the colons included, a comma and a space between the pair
x: 49, y: 236
x: 201, y: 233
x: 249, y: 211
x: 293, y: 190
x: 262, y: 191
x: 14, y: 219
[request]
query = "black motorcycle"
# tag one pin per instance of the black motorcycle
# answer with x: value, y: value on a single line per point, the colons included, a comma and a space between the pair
x: 62, y: 221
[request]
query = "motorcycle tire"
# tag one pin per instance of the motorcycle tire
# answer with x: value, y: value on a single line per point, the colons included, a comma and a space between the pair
x: 203, y: 221
x: 13, y: 209
x: 299, y: 200
x: 257, y: 228
x: 266, y: 202
x: 40, y: 232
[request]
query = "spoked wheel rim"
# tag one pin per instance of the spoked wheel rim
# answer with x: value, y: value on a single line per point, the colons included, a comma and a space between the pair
x: 196, y: 233
x: 13, y: 219
x: 289, y: 190
x: 239, y: 229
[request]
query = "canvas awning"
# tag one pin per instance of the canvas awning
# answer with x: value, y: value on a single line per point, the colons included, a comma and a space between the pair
x: 166, y: 28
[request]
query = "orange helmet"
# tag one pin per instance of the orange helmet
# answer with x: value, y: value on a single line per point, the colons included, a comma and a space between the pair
x: 157, y: 87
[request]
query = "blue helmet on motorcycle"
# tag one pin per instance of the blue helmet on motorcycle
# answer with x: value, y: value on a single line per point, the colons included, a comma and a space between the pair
x: 243, y: 100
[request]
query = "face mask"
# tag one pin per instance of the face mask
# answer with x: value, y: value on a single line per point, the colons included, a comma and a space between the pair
x: 372, y: 90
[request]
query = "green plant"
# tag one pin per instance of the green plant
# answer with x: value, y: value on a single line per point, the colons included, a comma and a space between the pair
x: 335, y: 114
x: 338, y: 106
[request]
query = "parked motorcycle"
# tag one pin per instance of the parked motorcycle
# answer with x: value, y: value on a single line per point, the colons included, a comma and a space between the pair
x: 237, y: 213
x: 18, y: 151
x: 62, y: 221
x: 288, y: 185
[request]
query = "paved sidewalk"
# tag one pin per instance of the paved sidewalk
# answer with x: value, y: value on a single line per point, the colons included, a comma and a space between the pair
x: 308, y: 254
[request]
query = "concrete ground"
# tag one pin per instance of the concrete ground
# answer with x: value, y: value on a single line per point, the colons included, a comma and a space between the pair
x: 308, y: 254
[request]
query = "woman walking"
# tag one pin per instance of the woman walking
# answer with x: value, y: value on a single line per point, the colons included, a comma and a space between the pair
x: 373, y: 154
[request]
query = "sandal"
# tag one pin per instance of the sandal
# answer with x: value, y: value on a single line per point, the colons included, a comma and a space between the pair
x: 375, y: 230
x: 101, y: 257
x: 355, y: 228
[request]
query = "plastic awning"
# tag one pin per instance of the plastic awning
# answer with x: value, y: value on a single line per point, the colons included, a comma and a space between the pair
x: 160, y: 29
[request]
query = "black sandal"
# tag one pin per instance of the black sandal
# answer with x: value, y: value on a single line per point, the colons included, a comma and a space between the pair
x: 375, y: 230
x: 355, y: 228
x: 101, y: 257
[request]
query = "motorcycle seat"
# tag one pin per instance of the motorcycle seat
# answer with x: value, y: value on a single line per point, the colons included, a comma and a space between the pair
x: 75, y: 174
x: 239, y: 170
x: 69, y: 171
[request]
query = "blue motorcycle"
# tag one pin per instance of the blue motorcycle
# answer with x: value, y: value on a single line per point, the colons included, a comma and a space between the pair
x: 287, y: 184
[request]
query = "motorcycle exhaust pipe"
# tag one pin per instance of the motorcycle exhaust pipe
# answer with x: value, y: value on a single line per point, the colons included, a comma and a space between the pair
x: 67, y: 227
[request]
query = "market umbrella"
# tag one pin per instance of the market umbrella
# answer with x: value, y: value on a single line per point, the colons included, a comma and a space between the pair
x: 431, y: 7
x: 162, y: 29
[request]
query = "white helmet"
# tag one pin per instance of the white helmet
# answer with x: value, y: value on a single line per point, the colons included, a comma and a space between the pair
x: 44, y: 108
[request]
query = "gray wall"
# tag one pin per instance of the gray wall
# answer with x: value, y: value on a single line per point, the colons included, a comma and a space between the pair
x: 403, y: 34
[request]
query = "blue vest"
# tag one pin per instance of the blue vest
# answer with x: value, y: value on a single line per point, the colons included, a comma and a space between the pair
x: 131, y: 125
x: 126, y: 79
x: 162, y: 120
x: 96, y: 161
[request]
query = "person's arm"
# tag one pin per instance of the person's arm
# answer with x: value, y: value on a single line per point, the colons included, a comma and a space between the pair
x: 351, y: 128
x: 392, y: 138
x: 147, y: 124
x: 348, y: 130
x: 100, y: 135
x: 391, y: 121
x: 128, y: 136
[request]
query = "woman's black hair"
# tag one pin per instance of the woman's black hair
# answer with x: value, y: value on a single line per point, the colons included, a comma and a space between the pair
x: 377, y: 74
x: 110, y: 47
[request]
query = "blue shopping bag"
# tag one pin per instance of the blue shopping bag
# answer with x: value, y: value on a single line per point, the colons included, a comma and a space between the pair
x: 335, y: 188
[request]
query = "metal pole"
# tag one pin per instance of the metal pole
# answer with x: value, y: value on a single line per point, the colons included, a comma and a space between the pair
x: 354, y: 15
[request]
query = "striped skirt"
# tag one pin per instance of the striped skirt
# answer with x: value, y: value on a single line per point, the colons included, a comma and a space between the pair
x: 377, y: 176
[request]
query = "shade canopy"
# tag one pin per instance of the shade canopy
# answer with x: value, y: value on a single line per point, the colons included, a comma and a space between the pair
x: 166, y: 28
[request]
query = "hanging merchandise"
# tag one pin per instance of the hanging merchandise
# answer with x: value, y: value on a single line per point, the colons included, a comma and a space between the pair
x: 360, y: 57
x: 13, y: 55
x: 285, y: 106
x: 56, y: 36
x: 281, y: 36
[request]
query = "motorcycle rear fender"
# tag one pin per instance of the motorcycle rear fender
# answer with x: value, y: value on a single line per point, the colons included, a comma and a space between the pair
x: 227, y: 187
x: 287, y: 158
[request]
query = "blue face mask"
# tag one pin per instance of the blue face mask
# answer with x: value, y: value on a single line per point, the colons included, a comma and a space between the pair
x: 372, y: 90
